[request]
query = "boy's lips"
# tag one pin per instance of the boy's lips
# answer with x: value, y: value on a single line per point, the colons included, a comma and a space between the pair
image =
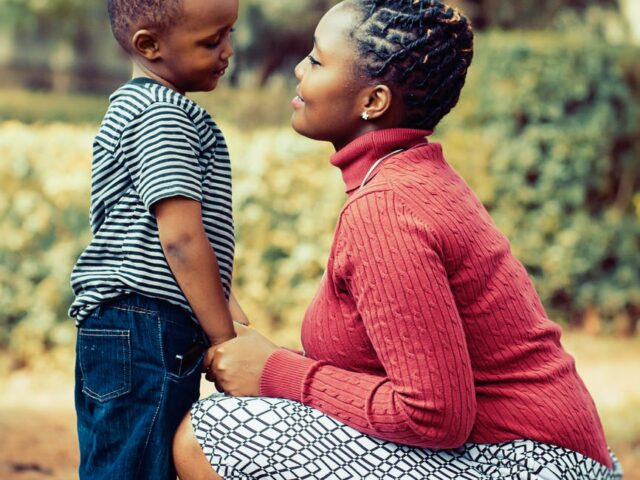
x: 221, y: 71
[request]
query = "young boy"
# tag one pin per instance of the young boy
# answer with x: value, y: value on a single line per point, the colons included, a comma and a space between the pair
x: 152, y: 287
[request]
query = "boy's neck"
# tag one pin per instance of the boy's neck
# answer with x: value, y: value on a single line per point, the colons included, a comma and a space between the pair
x: 141, y: 71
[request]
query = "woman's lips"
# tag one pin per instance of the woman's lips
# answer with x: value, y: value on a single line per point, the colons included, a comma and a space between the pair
x: 297, y: 102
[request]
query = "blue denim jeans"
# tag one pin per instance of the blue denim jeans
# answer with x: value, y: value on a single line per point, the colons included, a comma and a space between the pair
x: 138, y: 363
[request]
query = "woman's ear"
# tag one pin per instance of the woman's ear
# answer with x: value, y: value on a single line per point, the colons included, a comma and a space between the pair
x: 145, y: 43
x: 377, y: 102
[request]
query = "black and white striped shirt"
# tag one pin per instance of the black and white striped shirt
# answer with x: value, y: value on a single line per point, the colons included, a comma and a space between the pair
x: 154, y: 143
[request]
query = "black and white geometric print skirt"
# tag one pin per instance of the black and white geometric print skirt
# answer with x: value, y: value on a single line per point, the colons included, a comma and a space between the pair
x: 270, y: 438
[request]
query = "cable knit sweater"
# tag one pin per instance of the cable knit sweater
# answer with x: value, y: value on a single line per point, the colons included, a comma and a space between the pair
x: 426, y: 330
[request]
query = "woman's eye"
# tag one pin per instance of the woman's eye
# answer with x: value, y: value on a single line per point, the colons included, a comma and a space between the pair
x: 312, y: 60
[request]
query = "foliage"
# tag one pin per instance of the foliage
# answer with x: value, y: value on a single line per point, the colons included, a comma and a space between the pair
x: 43, y: 212
x: 60, y: 17
x: 287, y: 198
x: 58, y: 37
x: 555, y: 131
x: 524, y: 13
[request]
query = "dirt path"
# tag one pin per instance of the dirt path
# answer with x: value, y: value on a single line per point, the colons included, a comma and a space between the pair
x: 37, y: 428
x: 37, y: 421
x: 38, y: 439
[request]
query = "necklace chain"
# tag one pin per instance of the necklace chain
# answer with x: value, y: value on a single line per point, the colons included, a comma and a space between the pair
x: 377, y: 162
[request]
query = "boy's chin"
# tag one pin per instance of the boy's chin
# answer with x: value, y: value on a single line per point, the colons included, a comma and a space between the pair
x: 212, y: 85
x: 203, y: 87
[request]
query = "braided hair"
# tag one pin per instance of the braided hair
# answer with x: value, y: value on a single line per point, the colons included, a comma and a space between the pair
x: 422, y: 48
x: 126, y: 16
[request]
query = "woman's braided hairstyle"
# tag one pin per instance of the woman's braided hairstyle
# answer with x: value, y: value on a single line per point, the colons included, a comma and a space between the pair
x: 423, y: 48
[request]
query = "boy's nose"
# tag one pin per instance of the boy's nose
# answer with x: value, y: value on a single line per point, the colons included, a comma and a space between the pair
x: 227, y: 52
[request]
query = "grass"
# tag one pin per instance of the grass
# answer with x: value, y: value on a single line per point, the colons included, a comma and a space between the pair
x: 609, y: 368
x: 247, y: 107
x: 36, y: 107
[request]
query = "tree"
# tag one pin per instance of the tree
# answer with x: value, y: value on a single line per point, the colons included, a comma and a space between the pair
x: 276, y: 34
x: 41, y: 29
x: 523, y: 13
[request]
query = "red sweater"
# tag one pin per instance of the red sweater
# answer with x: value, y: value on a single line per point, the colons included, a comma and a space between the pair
x: 426, y: 330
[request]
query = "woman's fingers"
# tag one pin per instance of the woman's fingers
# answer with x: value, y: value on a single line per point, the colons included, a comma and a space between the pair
x: 237, y: 314
x: 241, y: 329
x: 208, y: 359
x: 242, y: 321
x: 238, y: 363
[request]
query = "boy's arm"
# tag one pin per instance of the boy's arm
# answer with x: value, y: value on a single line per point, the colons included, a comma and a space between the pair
x: 194, y: 264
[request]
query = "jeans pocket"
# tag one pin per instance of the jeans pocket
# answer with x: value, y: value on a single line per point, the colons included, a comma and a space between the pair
x: 183, y: 350
x: 105, y: 363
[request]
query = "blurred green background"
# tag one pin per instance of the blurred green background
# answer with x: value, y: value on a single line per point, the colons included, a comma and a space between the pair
x: 547, y: 133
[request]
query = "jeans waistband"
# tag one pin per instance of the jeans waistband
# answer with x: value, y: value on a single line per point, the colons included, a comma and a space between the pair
x: 144, y: 304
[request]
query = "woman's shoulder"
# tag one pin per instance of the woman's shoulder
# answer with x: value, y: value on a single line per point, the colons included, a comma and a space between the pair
x: 420, y: 177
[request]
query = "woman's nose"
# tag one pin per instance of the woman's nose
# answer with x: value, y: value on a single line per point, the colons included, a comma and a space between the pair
x: 299, y: 70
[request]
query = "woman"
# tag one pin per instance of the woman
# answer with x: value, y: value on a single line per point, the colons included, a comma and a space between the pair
x: 427, y: 351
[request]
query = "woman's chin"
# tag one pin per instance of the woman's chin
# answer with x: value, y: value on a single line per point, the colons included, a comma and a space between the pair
x: 297, y: 125
x: 301, y: 127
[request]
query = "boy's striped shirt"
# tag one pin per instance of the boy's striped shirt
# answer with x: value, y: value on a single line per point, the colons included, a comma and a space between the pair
x: 153, y: 144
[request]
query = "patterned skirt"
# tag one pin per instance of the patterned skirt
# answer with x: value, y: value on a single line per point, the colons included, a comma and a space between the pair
x: 270, y: 438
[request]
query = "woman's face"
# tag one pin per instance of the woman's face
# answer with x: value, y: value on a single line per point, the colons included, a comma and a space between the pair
x: 330, y: 98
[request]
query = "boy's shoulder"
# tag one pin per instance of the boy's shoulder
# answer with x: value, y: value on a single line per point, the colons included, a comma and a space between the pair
x: 140, y: 94
x: 140, y: 99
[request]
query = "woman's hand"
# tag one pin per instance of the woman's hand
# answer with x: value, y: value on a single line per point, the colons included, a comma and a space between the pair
x: 237, y: 364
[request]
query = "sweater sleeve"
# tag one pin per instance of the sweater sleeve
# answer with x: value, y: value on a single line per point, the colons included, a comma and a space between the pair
x: 388, y: 262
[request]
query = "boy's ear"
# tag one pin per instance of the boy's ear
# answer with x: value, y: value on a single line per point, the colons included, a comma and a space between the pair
x: 378, y: 101
x: 145, y: 43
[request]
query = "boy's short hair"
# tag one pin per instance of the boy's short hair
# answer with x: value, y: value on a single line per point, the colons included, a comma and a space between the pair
x: 127, y: 16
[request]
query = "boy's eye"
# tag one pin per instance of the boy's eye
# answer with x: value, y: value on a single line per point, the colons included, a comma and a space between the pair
x: 213, y: 44
x: 312, y: 60
x: 216, y: 43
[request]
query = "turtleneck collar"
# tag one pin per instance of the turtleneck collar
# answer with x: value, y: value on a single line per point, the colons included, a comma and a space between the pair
x: 355, y: 159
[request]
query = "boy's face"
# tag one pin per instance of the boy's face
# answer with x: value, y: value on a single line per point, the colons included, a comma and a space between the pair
x: 195, y: 53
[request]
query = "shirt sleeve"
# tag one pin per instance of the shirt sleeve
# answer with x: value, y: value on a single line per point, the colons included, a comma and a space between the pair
x: 390, y: 266
x: 160, y: 150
